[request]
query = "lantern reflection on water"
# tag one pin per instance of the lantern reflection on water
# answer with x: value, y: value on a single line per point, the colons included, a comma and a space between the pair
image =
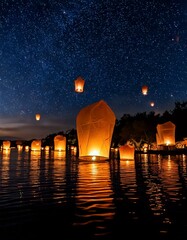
x: 95, y: 124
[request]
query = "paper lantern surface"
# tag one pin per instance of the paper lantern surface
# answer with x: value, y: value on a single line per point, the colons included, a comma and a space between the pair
x: 59, y: 143
x: 144, y: 90
x: 36, y: 145
x: 166, y: 134
x: 95, y: 125
x: 79, y: 84
x: 126, y: 152
x: 37, y: 117
x: 6, y: 144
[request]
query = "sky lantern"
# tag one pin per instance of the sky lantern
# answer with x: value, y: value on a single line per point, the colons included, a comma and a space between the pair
x: 37, y: 117
x: 144, y: 90
x: 6, y: 145
x: 79, y: 84
x: 95, y: 125
x: 152, y: 104
x: 126, y: 152
x: 36, y: 145
x: 166, y: 134
x: 59, y: 143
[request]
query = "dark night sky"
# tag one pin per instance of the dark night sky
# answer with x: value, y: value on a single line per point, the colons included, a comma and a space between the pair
x: 115, y: 45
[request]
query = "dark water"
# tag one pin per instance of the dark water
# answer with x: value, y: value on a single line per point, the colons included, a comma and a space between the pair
x: 46, y: 195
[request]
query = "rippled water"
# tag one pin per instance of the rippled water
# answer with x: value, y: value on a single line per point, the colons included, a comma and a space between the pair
x: 48, y: 195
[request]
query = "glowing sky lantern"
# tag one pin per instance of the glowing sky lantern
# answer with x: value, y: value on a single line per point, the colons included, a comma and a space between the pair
x: 79, y: 84
x: 36, y: 145
x: 6, y: 144
x: 152, y: 104
x: 166, y: 134
x: 59, y: 143
x: 95, y: 124
x: 126, y: 152
x: 144, y: 90
x: 37, y: 117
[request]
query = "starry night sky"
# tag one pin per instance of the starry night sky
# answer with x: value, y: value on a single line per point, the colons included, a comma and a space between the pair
x: 115, y: 45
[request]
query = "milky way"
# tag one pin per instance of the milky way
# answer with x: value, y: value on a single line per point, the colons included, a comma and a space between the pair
x: 116, y: 46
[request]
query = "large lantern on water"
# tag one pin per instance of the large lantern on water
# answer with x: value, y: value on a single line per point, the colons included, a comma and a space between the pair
x: 79, y: 84
x: 166, y: 134
x: 37, y: 117
x: 59, y: 143
x: 36, y: 145
x: 126, y: 152
x: 144, y: 90
x: 95, y: 125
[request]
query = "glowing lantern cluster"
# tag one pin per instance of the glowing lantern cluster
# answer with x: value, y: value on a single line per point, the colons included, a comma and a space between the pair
x: 95, y: 125
x: 37, y: 117
x: 126, y: 152
x: 79, y: 84
x: 36, y: 145
x: 165, y: 134
x: 144, y: 90
x: 59, y: 143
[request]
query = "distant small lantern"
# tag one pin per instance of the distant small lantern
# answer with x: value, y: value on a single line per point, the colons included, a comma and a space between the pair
x: 144, y: 90
x: 126, y: 152
x: 152, y: 104
x: 37, y: 117
x: 95, y: 124
x: 79, y: 84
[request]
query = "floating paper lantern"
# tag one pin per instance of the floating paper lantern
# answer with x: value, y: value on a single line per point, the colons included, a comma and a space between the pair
x: 144, y: 90
x: 26, y: 148
x: 152, y: 104
x: 37, y: 117
x: 47, y: 148
x: 166, y: 134
x: 95, y: 125
x: 19, y: 147
x: 6, y: 145
x: 59, y: 143
x: 79, y: 84
x: 126, y: 152
x: 36, y: 145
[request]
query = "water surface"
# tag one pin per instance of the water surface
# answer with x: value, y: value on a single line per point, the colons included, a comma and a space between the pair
x: 46, y: 194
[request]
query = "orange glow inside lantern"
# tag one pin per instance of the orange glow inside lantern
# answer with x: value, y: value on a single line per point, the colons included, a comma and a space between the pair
x: 144, y: 90
x: 47, y: 148
x: 19, y: 147
x: 26, y: 148
x: 79, y: 84
x: 95, y: 124
x: 37, y: 117
x: 126, y: 152
x: 6, y: 145
x: 36, y: 145
x: 166, y: 134
x: 152, y: 104
x: 73, y: 150
x: 59, y: 143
